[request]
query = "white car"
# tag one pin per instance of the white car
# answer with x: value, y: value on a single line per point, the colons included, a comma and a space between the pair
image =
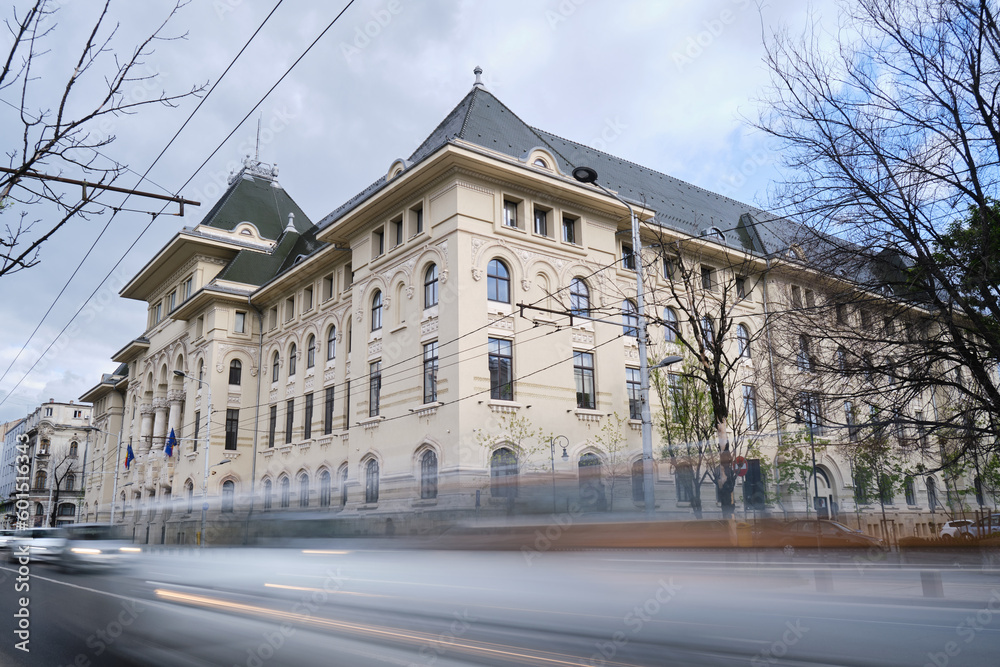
x: 43, y: 544
x: 958, y: 528
x: 94, y: 546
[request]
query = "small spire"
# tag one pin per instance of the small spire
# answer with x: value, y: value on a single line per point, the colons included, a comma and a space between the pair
x: 291, y: 223
x: 479, y: 74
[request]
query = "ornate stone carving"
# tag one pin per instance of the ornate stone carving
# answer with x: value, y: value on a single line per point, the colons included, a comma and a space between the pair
x: 218, y: 367
x: 429, y: 326
x: 409, y: 292
x: 234, y: 399
x: 328, y: 375
x: 443, y: 276
x: 477, y: 274
x: 375, y: 347
x: 176, y: 395
x: 146, y: 410
x: 525, y: 285
x: 160, y: 404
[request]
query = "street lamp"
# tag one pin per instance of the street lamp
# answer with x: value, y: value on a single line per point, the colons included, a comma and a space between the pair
x: 552, y: 457
x: 208, y: 444
x: 589, y: 176
x: 812, y: 447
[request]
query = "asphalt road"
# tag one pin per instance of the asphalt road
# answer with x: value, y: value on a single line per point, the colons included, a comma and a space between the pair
x: 367, y: 606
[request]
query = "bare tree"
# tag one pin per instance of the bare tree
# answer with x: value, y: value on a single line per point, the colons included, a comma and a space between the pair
x: 516, y: 446
x: 612, y: 443
x: 63, y: 127
x: 892, y: 141
x: 712, y: 408
x: 63, y: 472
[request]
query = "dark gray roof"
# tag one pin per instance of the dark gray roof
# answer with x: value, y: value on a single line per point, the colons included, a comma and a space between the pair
x: 482, y: 119
x: 259, y: 201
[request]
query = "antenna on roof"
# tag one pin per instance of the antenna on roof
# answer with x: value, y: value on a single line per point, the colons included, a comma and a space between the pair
x: 479, y: 74
x: 256, y: 152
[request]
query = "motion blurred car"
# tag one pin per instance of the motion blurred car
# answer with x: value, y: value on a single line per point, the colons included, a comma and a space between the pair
x: 94, y: 546
x: 810, y: 534
x: 6, y: 536
x: 956, y: 529
x: 44, y: 545
x: 988, y: 525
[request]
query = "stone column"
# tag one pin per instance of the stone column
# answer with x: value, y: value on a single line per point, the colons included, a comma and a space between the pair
x: 160, y: 408
x: 146, y: 429
x: 176, y: 400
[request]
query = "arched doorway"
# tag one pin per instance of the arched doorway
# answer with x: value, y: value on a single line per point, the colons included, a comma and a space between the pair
x: 825, y: 500
x: 592, y: 496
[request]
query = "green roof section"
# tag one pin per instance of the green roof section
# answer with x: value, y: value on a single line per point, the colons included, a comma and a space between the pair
x: 260, y: 201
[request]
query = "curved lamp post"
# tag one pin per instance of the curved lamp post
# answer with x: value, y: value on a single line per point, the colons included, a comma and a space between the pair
x: 564, y: 441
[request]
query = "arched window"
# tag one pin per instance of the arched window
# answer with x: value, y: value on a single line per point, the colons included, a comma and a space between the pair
x: 284, y: 492
x: 267, y: 494
x: 377, y: 310
x: 343, y: 485
x: 932, y: 499
x: 331, y: 343
x: 669, y: 325
x: 292, y: 358
x: 428, y: 475
x: 311, y: 351
x: 228, y: 491
x: 743, y: 340
x: 188, y: 491
x: 39, y: 510
x: 235, y: 371
x: 503, y: 474
x: 74, y: 447
x: 40, y: 479
x: 324, y: 488
x: 497, y: 281
x: 591, y: 486
x: 638, y: 482
x: 67, y: 509
x: 70, y: 482
x: 371, y: 481
x: 630, y: 318
x: 201, y: 371
x: 684, y: 482
x: 431, y: 286
x: 802, y: 358
x: 303, y: 490
x: 579, y: 298
x: 275, y: 366
x: 707, y: 331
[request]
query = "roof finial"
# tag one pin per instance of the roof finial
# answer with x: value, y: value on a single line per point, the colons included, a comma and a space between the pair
x: 479, y: 74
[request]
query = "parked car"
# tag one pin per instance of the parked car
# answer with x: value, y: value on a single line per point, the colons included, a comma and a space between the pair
x: 957, y: 529
x: 45, y: 545
x: 810, y: 534
x: 94, y: 546
x: 988, y: 525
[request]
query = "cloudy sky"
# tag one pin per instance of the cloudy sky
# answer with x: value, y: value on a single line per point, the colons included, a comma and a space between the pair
x: 666, y: 84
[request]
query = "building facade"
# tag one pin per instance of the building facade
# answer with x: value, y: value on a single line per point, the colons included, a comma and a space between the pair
x: 461, y: 339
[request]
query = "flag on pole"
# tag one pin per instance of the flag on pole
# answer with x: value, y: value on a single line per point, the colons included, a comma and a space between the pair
x: 129, y: 456
x: 171, y: 443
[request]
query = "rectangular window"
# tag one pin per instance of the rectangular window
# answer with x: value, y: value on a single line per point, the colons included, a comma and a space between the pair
x: 750, y: 406
x: 289, y: 308
x: 541, y: 222
x: 418, y: 219
x: 809, y: 404
x: 397, y: 232
x: 197, y: 428
x: 810, y: 299
x: 272, y: 426
x: 583, y: 372
x: 633, y: 387
x: 741, y: 287
x: 374, y: 387
x: 668, y: 269
x: 240, y: 323
x: 188, y: 287
x: 569, y: 230
x: 430, y: 371
x: 232, y: 427
x: 272, y: 318
x: 348, y: 276
x: 796, y: 296
x: 328, y: 287
x: 841, y: 313
x: 509, y: 213
x: 674, y: 389
x: 328, y: 411
x: 307, y: 299
x: 289, y: 419
x: 307, y: 426
x: 172, y: 300
x: 707, y: 279
x: 157, y: 313
x: 851, y: 421
x: 501, y: 369
x: 378, y: 243
x: 347, y: 405
x: 628, y: 257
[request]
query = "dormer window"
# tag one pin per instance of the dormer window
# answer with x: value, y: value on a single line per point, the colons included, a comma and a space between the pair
x: 246, y: 232
x: 539, y: 162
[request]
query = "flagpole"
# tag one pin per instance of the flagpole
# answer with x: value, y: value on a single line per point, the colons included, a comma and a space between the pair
x: 118, y: 460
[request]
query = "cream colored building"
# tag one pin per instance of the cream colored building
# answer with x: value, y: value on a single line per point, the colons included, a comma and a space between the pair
x: 366, y: 365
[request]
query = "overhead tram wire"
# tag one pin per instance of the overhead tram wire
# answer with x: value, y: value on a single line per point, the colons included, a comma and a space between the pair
x: 195, y: 173
x: 142, y: 178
